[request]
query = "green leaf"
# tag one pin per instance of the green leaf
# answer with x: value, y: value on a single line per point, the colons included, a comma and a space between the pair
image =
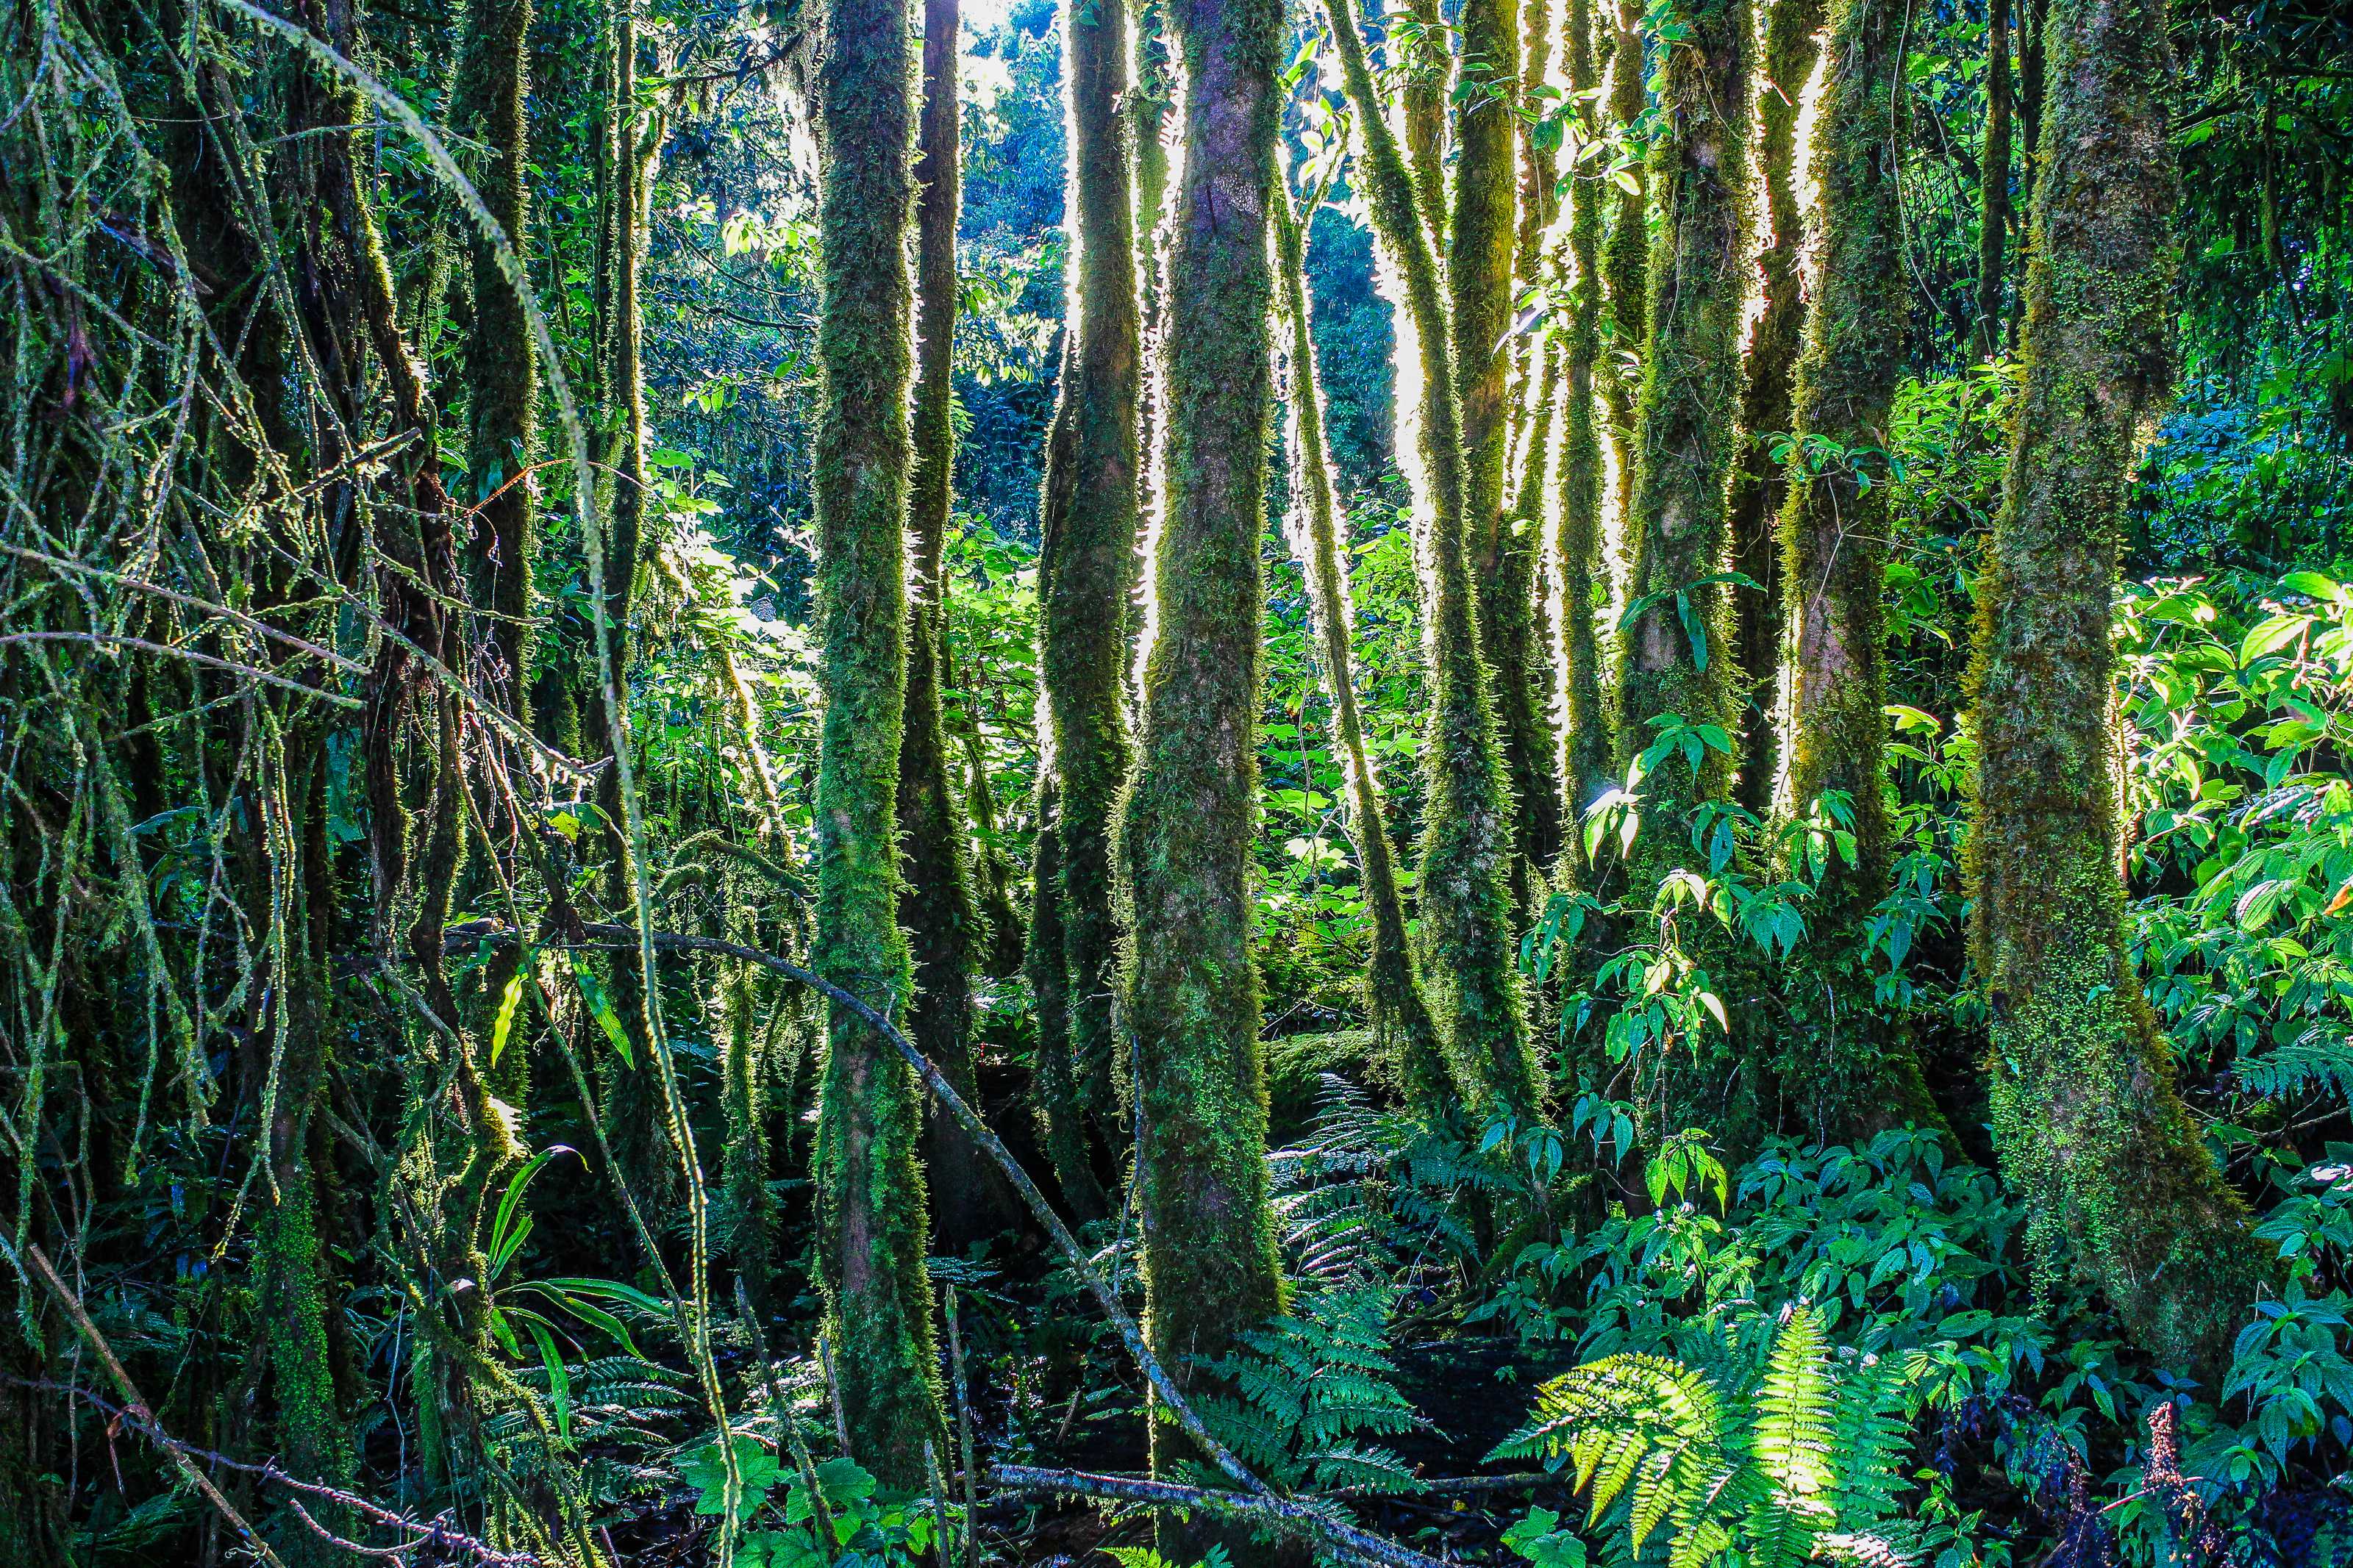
x: 592, y: 992
x: 508, y: 1000
x: 559, y: 1380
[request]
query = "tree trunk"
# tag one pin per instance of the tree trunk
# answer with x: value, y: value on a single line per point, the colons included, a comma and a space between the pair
x: 1579, y: 545
x: 1404, y: 1032
x: 870, y: 1190
x: 1834, y: 535
x: 2090, y: 1128
x: 1993, y: 180
x: 936, y: 906
x: 1757, y: 488
x: 1209, y: 1264
x: 1466, y: 915
x: 1083, y: 598
x: 1625, y: 265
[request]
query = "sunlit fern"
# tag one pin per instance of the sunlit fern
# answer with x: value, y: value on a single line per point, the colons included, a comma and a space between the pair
x: 1305, y: 1396
x: 1799, y: 1459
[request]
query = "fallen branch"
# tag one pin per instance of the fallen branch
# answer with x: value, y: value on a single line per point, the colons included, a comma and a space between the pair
x: 1258, y: 1498
x: 1283, y: 1513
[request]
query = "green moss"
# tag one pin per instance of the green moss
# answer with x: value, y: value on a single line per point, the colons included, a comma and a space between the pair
x: 1834, y: 526
x: 2121, y: 1188
x: 1626, y: 264
x: 1467, y: 959
x: 1993, y: 180
x: 872, y: 1193
x: 1187, y: 821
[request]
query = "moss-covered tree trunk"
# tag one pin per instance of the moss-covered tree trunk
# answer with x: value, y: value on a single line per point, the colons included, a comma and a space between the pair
x: 1404, y: 1032
x: 1994, y: 182
x: 1578, y: 544
x: 1757, y: 490
x: 502, y: 370
x: 1466, y: 937
x: 1672, y: 650
x: 871, y: 1189
x: 1185, y: 829
x: 936, y: 906
x: 1418, y: 45
x: 1083, y: 597
x: 1482, y: 235
x: 1626, y: 262
x: 1835, y: 538
x: 2091, y: 1131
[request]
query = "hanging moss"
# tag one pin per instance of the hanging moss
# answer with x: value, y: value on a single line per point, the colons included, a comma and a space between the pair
x: 936, y: 906
x: 871, y: 1189
x: 1578, y: 546
x: 1757, y: 488
x: 1084, y: 604
x: 1187, y: 822
x: 1405, y: 1034
x: 1625, y: 265
x: 1466, y: 934
x: 2092, y: 1131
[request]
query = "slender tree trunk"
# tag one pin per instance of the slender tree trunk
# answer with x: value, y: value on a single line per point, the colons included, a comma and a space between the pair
x: 1672, y: 652
x: 1993, y: 180
x: 1404, y: 1031
x: 936, y: 906
x: 1210, y: 1264
x: 1423, y: 103
x: 1757, y: 487
x: 871, y: 1189
x: 1834, y: 535
x: 502, y: 370
x: 1466, y: 914
x: 1083, y: 601
x: 1626, y: 264
x: 1578, y: 547
x: 1482, y: 234
x: 2033, y: 18
x: 2092, y: 1131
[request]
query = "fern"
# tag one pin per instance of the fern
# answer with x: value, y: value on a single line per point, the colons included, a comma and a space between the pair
x: 1303, y: 1394
x: 1800, y: 1458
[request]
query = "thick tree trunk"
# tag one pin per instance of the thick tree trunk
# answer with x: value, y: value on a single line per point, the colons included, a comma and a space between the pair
x: 1466, y: 843
x: 2091, y: 1131
x: 870, y: 1190
x: 1757, y: 488
x: 1209, y: 1264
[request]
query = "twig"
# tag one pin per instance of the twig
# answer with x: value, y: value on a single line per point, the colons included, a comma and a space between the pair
x: 107, y: 640
x: 1283, y: 1512
x: 963, y: 1428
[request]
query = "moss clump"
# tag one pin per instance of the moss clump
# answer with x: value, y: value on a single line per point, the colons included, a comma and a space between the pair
x: 2090, y: 1127
x: 871, y: 1189
x: 1188, y: 820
